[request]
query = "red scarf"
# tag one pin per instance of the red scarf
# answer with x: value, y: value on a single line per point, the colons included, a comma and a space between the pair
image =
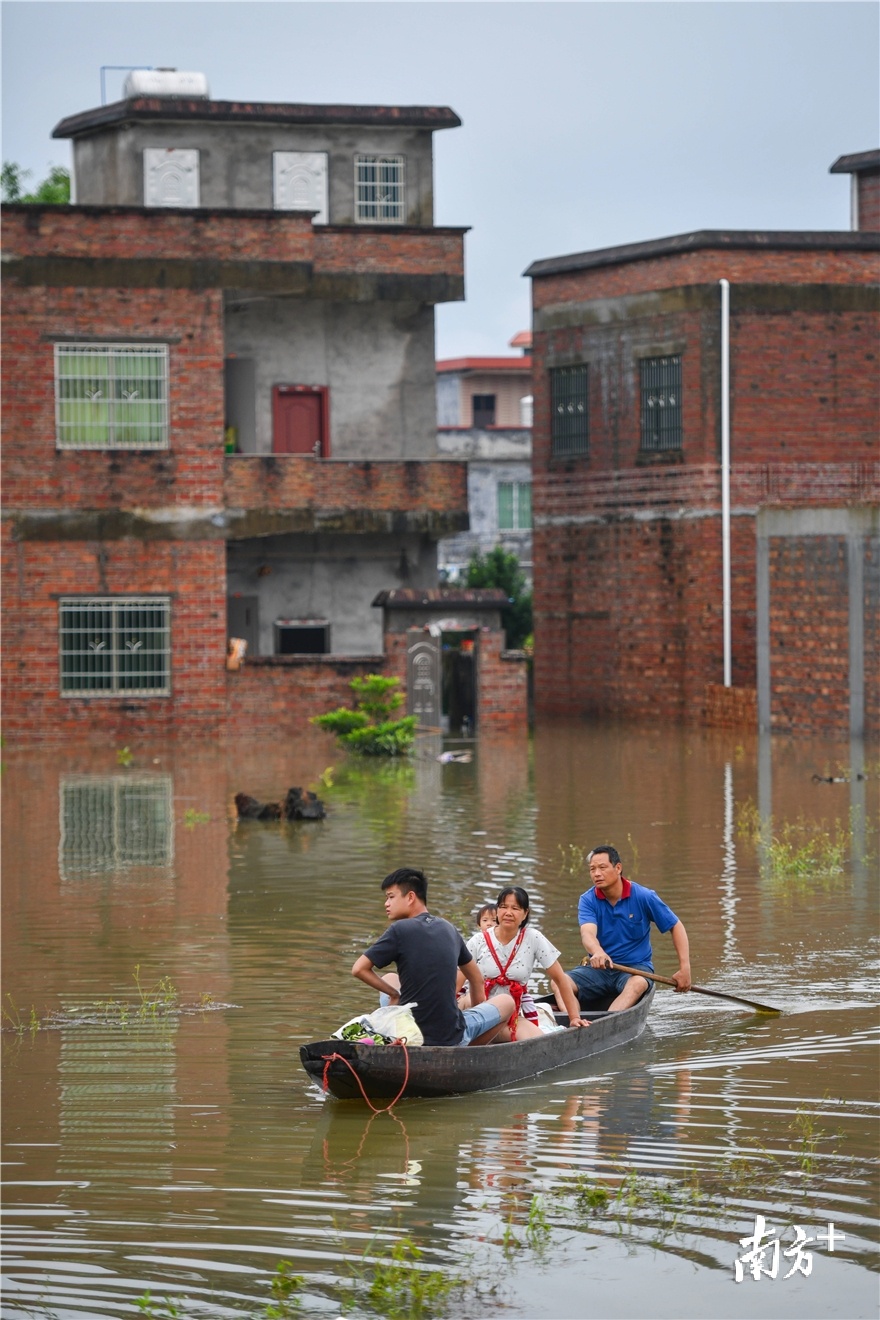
x: 516, y: 989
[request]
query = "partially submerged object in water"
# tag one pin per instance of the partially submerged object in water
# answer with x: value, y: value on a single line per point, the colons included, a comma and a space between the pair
x: 299, y: 804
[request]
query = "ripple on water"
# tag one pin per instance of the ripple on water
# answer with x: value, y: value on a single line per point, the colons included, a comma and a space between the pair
x: 188, y: 1157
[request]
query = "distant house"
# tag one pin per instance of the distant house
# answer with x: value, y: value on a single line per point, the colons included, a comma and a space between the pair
x: 219, y: 414
x: 631, y: 493
x: 484, y: 415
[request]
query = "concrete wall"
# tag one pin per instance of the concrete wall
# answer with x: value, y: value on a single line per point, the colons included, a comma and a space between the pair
x: 328, y: 577
x: 492, y: 456
x: 235, y: 163
x: 455, y: 392
x: 448, y: 406
x: 485, y: 534
x: 377, y: 359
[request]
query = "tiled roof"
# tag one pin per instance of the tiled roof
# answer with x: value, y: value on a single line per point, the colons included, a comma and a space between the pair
x: 520, y: 364
x: 441, y: 598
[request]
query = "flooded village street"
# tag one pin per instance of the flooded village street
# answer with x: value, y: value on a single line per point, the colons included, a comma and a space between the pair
x: 162, y: 963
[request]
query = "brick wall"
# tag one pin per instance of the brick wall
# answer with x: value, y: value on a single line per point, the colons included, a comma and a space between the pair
x: 869, y: 200
x: 741, y: 266
x: 36, y: 573
x: 286, y: 482
x: 502, y: 696
x: 398, y: 251
x: 627, y: 545
x: 809, y: 633
x: 188, y: 473
x: 107, y: 232
x: 283, y: 692
x: 730, y: 707
x: 628, y: 617
x: 809, y: 656
x: 132, y: 233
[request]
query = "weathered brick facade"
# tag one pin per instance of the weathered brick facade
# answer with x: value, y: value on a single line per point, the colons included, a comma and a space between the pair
x: 102, y: 523
x: 627, y: 541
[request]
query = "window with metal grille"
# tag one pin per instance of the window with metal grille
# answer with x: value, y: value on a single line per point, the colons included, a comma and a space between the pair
x: 111, y: 396
x: 114, y: 823
x: 115, y: 646
x: 569, y: 413
x: 661, y: 402
x: 514, y: 506
x: 380, y: 195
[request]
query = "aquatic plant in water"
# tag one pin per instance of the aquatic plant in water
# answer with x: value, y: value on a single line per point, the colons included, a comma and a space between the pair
x: 798, y: 850
x: 13, y: 1020
x: 399, y: 1285
x: 156, y: 1003
x: 191, y: 817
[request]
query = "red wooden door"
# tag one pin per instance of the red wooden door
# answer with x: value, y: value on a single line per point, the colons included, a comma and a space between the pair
x: 299, y: 421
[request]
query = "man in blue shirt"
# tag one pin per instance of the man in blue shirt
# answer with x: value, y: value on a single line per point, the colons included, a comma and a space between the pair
x: 615, y: 919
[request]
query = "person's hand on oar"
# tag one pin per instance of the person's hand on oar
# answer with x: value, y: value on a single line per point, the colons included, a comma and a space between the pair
x: 682, y: 978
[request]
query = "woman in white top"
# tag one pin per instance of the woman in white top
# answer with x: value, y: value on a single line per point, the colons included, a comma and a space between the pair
x: 508, y: 955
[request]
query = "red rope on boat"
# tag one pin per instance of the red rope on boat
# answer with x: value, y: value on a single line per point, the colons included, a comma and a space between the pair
x: 328, y: 1059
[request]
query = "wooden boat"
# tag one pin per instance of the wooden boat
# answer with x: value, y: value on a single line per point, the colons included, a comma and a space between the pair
x: 452, y: 1069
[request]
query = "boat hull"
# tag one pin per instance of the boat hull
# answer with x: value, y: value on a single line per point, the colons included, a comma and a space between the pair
x: 436, y: 1070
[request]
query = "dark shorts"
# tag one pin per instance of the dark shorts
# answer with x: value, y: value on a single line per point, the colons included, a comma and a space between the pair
x: 597, y: 983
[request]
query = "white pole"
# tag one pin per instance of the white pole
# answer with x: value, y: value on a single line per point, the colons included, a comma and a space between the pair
x: 725, y: 475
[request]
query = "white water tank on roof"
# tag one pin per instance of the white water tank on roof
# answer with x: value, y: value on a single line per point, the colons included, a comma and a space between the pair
x: 165, y: 82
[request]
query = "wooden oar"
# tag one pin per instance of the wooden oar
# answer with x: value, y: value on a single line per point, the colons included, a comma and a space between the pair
x: 697, y: 989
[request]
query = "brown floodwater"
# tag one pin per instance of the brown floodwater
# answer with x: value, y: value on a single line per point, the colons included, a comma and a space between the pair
x: 165, y: 1140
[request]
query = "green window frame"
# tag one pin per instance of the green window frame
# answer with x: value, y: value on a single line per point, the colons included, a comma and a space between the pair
x: 111, y: 396
x: 514, y: 506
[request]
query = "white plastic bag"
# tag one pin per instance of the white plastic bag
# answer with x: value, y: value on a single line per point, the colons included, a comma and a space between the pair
x: 547, y: 1020
x: 396, y: 1020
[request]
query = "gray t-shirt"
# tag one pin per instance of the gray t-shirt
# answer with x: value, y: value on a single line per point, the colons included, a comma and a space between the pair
x: 427, y: 951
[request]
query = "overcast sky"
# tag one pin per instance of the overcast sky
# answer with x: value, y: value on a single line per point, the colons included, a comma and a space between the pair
x: 584, y: 124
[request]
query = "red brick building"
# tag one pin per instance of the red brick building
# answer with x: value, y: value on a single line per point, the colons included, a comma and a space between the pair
x: 219, y: 413
x: 630, y: 406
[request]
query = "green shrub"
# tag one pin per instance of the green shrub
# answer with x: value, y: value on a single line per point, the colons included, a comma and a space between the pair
x: 500, y: 569
x: 368, y: 730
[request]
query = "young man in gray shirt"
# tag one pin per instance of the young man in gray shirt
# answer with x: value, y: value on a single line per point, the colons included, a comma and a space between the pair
x: 428, y: 952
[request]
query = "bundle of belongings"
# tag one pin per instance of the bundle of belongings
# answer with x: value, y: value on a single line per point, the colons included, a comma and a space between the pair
x: 392, y: 1025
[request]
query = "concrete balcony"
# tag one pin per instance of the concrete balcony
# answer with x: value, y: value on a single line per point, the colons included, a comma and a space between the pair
x: 267, y: 495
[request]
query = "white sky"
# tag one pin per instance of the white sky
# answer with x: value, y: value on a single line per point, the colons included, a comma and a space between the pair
x: 584, y: 124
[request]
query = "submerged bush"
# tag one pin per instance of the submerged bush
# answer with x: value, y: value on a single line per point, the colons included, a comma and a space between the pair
x: 369, y: 728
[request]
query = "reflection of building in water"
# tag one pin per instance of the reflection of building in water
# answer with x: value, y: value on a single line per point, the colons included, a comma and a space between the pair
x: 111, y: 823
x: 103, y: 1104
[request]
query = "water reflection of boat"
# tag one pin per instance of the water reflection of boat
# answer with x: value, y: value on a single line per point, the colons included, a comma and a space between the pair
x: 386, y: 1071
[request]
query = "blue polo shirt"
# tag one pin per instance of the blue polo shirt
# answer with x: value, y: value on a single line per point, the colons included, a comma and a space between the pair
x: 624, y: 928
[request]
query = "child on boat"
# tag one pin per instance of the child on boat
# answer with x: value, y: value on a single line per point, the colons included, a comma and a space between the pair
x: 508, y: 953
x: 486, y: 918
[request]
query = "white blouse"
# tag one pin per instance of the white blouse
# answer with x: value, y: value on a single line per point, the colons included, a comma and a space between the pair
x: 535, y: 950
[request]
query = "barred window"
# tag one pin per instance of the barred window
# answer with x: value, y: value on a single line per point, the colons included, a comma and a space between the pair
x: 569, y: 415
x: 661, y: 402
x: 114, y: 823
x: 115, y: 646
x: 111, y: 396
x: 380, y: 194
x: 514, y: 506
